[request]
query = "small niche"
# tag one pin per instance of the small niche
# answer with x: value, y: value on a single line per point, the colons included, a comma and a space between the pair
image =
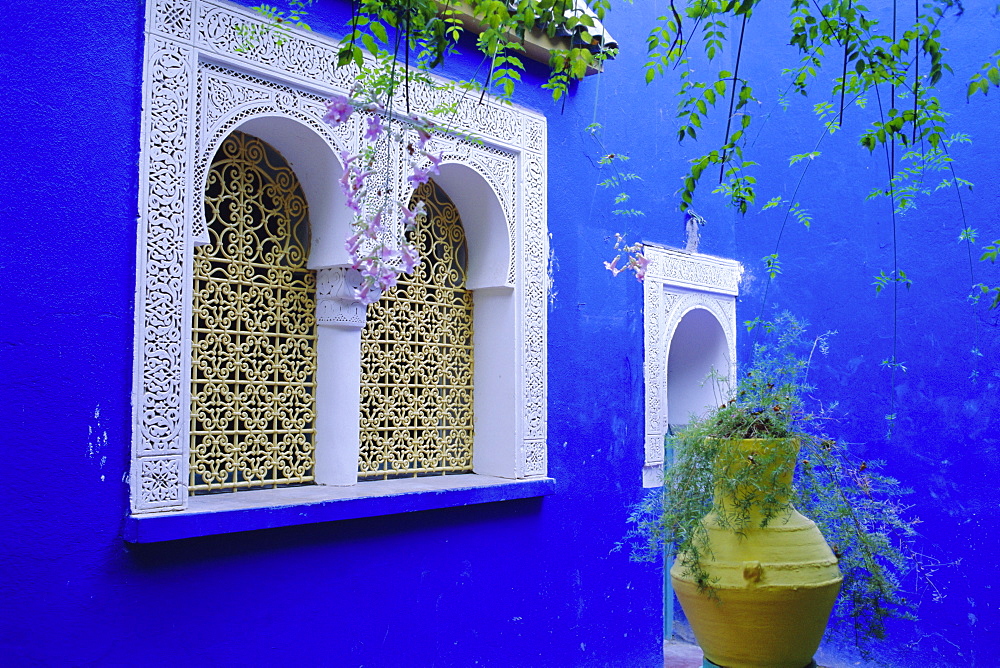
x: 689, y: 318
x: 698, y: 367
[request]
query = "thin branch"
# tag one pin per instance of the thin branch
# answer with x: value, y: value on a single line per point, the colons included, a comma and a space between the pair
x: 843, y: 76
x: 916, y: 69
x: 895, y: 275
x: 732, y: 96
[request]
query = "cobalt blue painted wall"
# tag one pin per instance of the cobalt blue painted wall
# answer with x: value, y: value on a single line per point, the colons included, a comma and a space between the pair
x: 524, y: 583
x: 943, y: 445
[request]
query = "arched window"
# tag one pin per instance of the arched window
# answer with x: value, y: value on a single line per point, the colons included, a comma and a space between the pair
x: 416, y: 357
x: 254, y: 326
x: 193, y: 97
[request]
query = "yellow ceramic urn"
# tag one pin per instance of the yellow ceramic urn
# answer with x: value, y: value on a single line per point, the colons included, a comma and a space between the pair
x: 775, y: 586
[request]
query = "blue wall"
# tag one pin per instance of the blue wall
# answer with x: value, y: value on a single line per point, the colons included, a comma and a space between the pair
x: 524, y: 583
x: 943, y: 444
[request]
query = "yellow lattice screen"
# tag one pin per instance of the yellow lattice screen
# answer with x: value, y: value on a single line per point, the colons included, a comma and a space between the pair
x: 416, y: 364
x: 254, y: 329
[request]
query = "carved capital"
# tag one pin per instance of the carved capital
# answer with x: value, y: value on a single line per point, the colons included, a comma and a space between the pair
x: 337, y: 303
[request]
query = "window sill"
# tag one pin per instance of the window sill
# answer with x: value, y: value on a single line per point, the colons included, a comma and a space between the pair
x: 266, y: 509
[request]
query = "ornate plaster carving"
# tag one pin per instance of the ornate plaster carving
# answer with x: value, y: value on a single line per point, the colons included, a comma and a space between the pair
x: 197, y: 89
x: 677, y: 282
x: 335, y: 301
x: 694, y: 271
x: 535, y: 458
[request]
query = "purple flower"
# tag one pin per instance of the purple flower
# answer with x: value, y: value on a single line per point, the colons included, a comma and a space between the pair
x: 435, y: 160
x: 418, y: 177
x: 363, y: 293
x: 338, y: 110
x: 382, y: 270
x: 410, y: 216
x: 409, y: 259
x: 352, y: 202
x: 352, y: 244
x: 640, y: 264
x: 389, y: 278
x: 345, y: 183
x: 423, y: 136
x: 375, y: 226
x: 375, y: 128
x: 359, y: 180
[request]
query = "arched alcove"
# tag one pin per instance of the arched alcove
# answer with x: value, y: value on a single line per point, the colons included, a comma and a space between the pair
x: 253, y: 299
x: 485, y: 224
x: 698, y: 367
x: 689, y: 321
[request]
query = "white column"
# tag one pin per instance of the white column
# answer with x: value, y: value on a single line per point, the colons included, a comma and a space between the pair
x: 339, y: 321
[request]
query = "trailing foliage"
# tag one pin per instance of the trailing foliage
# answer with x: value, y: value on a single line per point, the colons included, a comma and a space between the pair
x: 429, y: 31
x: 392, y: 45
x: 894, y: 64
x: 856, y: 507
x: 629, y: 257
x: 871, y: 55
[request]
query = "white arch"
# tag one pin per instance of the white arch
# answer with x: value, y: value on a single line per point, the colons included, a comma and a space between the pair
x: 493, y: 321
x: 486, y: 226
x: 315, y: 162
x: 682, y: 285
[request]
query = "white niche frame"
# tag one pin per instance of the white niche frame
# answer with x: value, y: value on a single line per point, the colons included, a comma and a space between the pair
x: 676, y: 284
x: 196, y: 89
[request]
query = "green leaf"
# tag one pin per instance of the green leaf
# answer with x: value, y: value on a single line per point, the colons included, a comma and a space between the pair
x: 771, y: 203
x: 369, y: 43
x: 379, y: 31
x: 344, y: 57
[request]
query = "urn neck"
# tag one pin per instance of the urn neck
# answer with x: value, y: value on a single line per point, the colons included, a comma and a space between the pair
x: 754, y: 478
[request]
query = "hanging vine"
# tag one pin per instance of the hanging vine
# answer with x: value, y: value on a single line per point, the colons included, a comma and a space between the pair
x: 393, y: 44
x: 897, y: 64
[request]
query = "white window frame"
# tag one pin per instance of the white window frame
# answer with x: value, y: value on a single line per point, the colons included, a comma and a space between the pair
x: 197, y: 89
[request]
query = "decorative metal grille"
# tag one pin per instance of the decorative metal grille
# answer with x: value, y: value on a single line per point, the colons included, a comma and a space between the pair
x: 254, y: 329
x: 416, y: 364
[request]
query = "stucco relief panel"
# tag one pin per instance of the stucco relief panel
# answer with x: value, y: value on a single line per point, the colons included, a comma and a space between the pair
x: 160, y: 383
x: 171, y: 18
